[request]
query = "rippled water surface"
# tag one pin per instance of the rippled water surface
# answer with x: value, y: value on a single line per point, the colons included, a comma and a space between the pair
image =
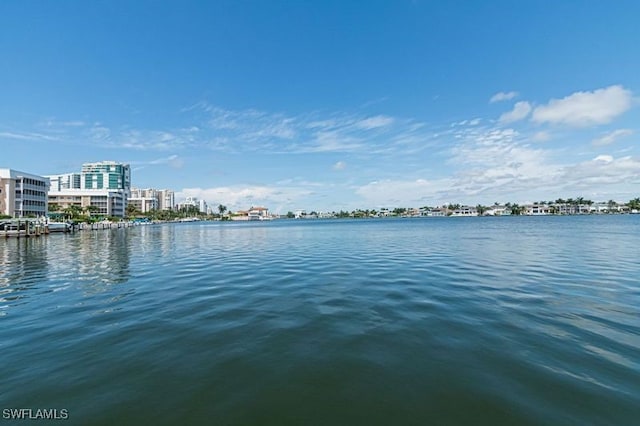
x: 519, y: 320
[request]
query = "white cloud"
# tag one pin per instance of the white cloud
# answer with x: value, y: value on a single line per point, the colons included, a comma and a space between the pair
x: 520, y: 110
x: 503, y: 96
x: 239, y: 197
x: 609, y: 138
x: 603, y: 159
x: 582, y: 109
x: 604, y: 174
x: 340, y: 165
x: 25, y: 136
x: 174, y: 161
x: 375, y: 122
x: 541, y: 136
x: 99, y: 133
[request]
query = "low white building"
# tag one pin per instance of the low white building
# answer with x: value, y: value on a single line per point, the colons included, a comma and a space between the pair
x: 259, y: 213
x: 465, y: 211
x: 103, y: 201
x: 23, y: 194
x: 538, y: 210
x: 435, y: 212
x: 497, y: 210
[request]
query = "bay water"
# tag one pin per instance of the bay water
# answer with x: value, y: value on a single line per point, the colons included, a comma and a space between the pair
x: 512, y: 320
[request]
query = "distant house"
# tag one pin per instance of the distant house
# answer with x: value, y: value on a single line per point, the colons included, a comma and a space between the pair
x: 497, y: 210
x: 465, y: 211
x: 437, y: 212
x: 538, y: 210
x: 258, y: 213
x: 240, y: 215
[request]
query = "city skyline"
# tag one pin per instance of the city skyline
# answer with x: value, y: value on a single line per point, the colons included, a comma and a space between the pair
x: 328, y: 106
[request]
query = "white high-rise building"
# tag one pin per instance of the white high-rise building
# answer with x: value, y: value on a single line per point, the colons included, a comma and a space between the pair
x: 201, y: 205
x: 146, y: 200
x: 104, y: 186
x: 65, y: 181
x: 166, y: 199
x: 23, y: 194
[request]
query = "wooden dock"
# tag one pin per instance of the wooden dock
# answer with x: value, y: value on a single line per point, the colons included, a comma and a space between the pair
x: 22, y: 228
x: 26, y: 228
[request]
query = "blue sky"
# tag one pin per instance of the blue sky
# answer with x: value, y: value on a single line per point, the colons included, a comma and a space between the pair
x: 329, y: 105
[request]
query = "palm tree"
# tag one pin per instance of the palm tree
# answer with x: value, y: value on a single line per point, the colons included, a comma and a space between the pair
x: 131, y: 210
x: 481, y: 209
x: 589, y: 203
x: 72, y: 211
x: 222, y: 209
x: 610, y: 205
x: 90, y: 209
x: 515, y: 209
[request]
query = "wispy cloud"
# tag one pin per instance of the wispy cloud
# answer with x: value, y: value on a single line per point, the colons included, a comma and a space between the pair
x: 541, y: 136
x: 583, y: 109
x: 340, y: 165
x: 174, y: 161
x: 254, y: 130
x: 611, y: 137
x: 27, y: 136
x: 520, y: 111
x: 503, y: 96
x: 374, y: 122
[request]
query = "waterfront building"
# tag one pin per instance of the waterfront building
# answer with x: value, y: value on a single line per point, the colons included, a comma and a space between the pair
x: 435, y: 212
x: 104, y: 187
x: 65, y: 181
x: 258, y: 213
x: 201, y: 205
x: 106, y: 175
x: 254, y: 213
x: 465, y: 211
x: 538, y: 210
x: 497, y: 210
x: 144, y: 200
x: 166, y: 199
x: 23, y: 194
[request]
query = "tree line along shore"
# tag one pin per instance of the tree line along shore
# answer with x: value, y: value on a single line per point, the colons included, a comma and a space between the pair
x: 570, y: 206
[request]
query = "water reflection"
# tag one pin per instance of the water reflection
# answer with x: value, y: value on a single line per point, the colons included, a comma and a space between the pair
x: 102, y: 257
x: 24, y: 265
x: 89, y: 261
